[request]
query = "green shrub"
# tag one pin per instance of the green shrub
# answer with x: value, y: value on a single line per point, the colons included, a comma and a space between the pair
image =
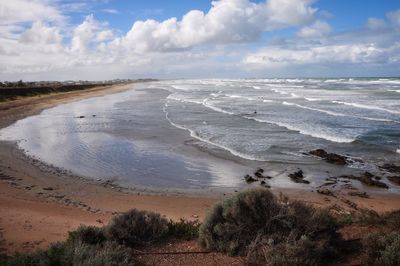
x: 254, y: 217
x: 371, y: 217
x: 392, y: 219
x: 292, y: 252
x: 232, y: 224
x: 75, y: 253
x: 110, y: 254
x: 136, y: 227
x: 88, y: 235
x: 56, y: 254
x: 2, y: 249
x: 382, y: 249
x: 183, y: 229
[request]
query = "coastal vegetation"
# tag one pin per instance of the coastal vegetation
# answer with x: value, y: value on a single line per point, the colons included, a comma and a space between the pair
x: 13, y: 90
x: 266, y: 229
x: 256, y: 225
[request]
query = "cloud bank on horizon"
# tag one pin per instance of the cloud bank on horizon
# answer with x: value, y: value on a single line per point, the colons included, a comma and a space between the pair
x: 59, y: 39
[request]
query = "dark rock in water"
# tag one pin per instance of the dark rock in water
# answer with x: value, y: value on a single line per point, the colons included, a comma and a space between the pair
x: 390, y: 168
x: 326, y: 192
x: 264, y: 184
x: 81, y: 116
x: 358, y: 194
x: 298, y: 174
x: 367, y: 179
x: 319, y: 153
x: 298, y: 177
x: 259, y: 173
x: 249, y: 179
x: 394, y: 179
x: 368, y: 175
x: 330, y: 157
x: 329, y: 183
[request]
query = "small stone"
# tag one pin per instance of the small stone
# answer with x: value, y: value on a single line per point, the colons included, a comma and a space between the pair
x: 326, y: 192
x: 358, y: 194
x: 249, y: 179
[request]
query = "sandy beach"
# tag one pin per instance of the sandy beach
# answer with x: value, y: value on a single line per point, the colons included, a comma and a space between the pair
x: 39, y: 204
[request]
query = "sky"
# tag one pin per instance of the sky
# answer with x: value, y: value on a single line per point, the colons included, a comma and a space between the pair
x: 108, y: 39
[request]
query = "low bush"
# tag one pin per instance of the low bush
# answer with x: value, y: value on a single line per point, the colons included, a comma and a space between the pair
x: 110, y: 254
x: 56, y: 254
x: 183, y: 229
x: 2, y: 249
x: 88, y: 235
x: 390, y: 220
x: 256, y: 219
x: 72, y: 253
x: 382, y: 249
x: 292, y: 252
x: 136, y: 227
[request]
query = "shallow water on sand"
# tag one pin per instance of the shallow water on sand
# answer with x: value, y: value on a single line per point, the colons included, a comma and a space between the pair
x: 206, y: 134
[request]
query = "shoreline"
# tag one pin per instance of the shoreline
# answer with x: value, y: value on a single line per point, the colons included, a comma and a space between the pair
x: 41, y: 204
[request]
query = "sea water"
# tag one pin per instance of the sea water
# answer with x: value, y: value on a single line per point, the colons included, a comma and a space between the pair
x: 208, y: 133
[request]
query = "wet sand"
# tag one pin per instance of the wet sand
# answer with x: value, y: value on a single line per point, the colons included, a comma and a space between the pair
x: 39, y: 204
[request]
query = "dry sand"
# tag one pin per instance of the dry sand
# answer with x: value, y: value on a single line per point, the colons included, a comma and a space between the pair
x: 40, y: 204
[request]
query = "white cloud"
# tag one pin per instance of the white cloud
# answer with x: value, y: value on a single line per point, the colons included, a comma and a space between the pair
x: 317, y: 29
x: 104, y: 35
x: 288, y: 13
x: 17, y: 11
x: 110, y: 11
x: 375, y: 23
x: 40, y: 33
x: 83, y: 34
x: 228, y: 21
x: 394, y: 18
x: 88, y: 32
x: 350, y: 53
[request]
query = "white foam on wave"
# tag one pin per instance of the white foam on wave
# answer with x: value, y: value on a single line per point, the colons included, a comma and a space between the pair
x: 181, y: 88
x: 303, y: 131
x: 175, y: 98
x: 240, y: 97
x: 363, y: 106
x: 313, y: 109
x: 278, y: 91
x: 398, y: 150
x: 338, y: 114
x: 217, y: 109
x: 312, y: 99
x: 193, y: 134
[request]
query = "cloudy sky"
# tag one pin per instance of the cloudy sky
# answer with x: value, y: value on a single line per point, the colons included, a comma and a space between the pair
x: 104, y: 39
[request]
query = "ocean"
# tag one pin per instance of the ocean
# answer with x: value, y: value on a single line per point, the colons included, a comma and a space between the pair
x: 199, y: 134
x: 279, y: 119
